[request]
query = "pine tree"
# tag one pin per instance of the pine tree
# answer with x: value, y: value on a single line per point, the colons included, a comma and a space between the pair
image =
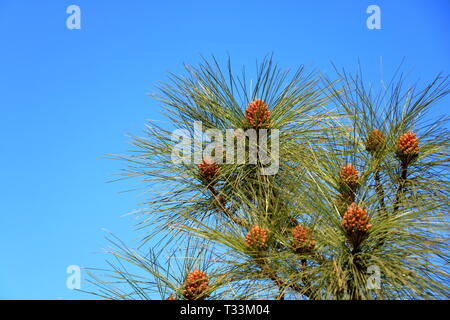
x: 357, y: 208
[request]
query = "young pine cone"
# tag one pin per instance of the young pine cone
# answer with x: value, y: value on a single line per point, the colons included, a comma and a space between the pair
x: 408, y: 147
x: 355, y: 219
x: 356, y: 224
x: 349, y: 176
x: 258, y: 115
x: 256, y: 238
x: 375, y: 141
x: 195, y: 285
x: 208, y: 171
x: 303, y: 240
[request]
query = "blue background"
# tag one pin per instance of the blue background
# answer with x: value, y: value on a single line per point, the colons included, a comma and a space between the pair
x: 68, y: 97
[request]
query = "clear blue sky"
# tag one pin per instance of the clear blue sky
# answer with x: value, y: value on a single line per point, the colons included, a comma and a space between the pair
x: 69, y: 96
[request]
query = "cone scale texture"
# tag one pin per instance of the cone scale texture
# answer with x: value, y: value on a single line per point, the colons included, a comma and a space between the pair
x: 208, y: 171
x: 356, y: 224
x: 408, y: 147
x: 195, y: 285
x: 349, y: 176
x: 258, y: 114
x: 256, y: 238
x: 375, y: 141
x: 303, y: 240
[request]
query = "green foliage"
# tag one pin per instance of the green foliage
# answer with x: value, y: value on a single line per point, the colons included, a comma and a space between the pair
x: 323, y: 125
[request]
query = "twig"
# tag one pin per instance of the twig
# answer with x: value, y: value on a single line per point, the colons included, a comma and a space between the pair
x: 282, y: 285
x: 221, y: 204
x: 401, y: 185
x: 380, y: 191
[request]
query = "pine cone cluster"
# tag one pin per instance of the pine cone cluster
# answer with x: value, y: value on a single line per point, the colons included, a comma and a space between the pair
x: 195, y: 285
x: 408, y: 147
x: 356, y: 224
x: 208, y: 171
x: 256, y: 238
x: 355, y: 219
x: 349, y: 176
x: 375, y: 141
x: 258, y: 114
x: 171, y: 298
x: 303, y: 240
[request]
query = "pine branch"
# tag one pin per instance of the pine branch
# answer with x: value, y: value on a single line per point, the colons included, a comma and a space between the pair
x: 281, y: 284
x: 315, y: 243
